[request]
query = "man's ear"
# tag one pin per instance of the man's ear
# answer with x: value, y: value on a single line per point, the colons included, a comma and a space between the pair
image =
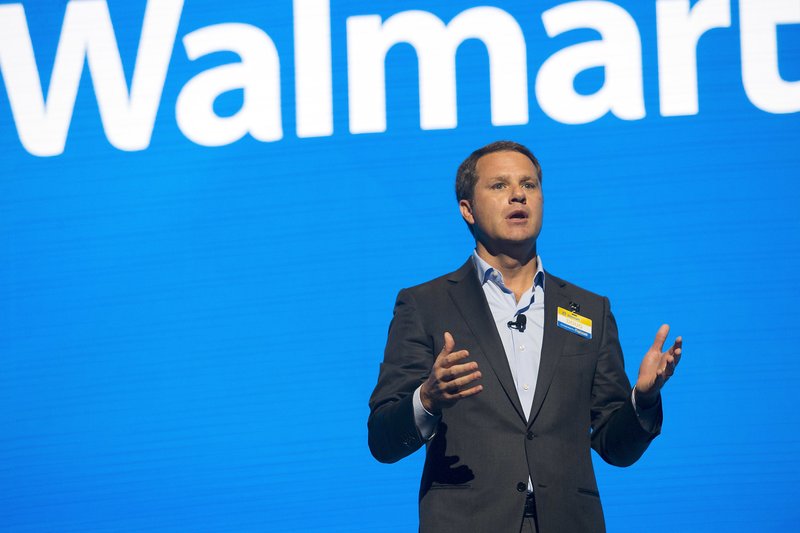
x: 466, y: 211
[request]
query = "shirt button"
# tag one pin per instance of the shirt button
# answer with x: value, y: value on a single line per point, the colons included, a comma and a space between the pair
x: 525, y: 386
x: 522, y: 347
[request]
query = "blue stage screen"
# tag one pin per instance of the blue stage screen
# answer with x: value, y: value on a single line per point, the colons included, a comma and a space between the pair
x: 207, y: 209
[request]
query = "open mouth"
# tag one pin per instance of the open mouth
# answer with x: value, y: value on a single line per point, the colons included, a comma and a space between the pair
x: 517, y: 215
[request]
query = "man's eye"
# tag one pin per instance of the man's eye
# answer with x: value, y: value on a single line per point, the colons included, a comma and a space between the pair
x: 529, y: 185
x: 498, y: 185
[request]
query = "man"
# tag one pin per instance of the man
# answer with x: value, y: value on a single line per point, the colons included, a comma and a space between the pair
x: 509, y: 375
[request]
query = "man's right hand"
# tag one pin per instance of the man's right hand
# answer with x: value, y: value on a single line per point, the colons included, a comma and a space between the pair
x: 449, y: 380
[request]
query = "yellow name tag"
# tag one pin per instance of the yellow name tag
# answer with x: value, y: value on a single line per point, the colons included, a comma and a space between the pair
x: 575, y: 323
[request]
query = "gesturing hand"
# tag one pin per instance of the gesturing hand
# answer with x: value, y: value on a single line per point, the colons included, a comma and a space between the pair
x: 657, y: 367
x: 449, y: 380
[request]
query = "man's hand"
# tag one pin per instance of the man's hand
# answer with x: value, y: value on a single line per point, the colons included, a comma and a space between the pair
x: 656, y: 368
x: 449, y: 380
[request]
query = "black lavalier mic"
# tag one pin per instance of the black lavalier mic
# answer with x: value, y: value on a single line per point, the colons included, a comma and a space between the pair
x: 519, y: 324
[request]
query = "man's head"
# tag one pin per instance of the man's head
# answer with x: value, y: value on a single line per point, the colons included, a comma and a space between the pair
x: 467, y: 175
x: 500, y: 196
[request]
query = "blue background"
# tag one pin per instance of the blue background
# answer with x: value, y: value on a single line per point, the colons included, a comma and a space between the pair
x: 189, y: 335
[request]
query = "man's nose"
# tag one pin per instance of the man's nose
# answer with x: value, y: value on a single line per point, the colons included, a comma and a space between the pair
x: 517, y: 195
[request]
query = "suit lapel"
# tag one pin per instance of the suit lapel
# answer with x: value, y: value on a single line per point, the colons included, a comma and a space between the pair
x: 552, y: 342
x: 468, y: 296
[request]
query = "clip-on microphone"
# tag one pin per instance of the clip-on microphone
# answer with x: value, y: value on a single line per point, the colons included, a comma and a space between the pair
x: 519, y: 324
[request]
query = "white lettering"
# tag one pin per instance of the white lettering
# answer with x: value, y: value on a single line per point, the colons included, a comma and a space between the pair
x: 760, y: 71
x: 312, y: 68
x: 368, y: 41
x: 619, y: 51
x: 679, y: 29
x: 88, y: 38
x: 87, y: 35
x: 258, y: 74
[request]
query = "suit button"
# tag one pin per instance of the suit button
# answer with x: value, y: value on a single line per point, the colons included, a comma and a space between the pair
x: 522, y: 487
x: 530, y: 435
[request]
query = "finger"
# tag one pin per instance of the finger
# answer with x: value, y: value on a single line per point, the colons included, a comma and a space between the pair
x: 661, y: 337
x: 469, y: 392
x: 456, y: 385
x: 450, y: 359
x: 456, y: 371
x: 449, y: 343
x: 660, y: 379
x: 677, y: 345
x: 673, y: 361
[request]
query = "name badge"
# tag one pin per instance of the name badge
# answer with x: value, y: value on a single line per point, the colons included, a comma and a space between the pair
x: 575, y: 323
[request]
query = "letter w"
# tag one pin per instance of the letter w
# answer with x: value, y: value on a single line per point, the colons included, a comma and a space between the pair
x: 87, y: 34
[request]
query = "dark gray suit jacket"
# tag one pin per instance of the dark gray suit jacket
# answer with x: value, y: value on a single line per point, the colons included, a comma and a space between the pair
x: 477, y: 464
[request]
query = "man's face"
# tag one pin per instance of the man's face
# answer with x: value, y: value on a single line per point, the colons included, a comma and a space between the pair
x: 506, y: 207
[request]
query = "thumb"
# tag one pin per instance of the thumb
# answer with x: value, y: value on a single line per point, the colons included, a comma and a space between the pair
x: 449, y: 343
x: 661, y: 337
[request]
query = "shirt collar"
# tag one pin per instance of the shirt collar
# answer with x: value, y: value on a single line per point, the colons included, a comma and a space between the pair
x: 487, y: 272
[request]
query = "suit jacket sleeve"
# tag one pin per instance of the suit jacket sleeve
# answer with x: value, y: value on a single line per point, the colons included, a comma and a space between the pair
x: 617, y: 434
x: 407, y: 361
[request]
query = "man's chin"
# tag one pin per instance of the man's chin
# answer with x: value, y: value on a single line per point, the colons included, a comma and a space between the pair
x: 512, y: 246
x: 520, y: 238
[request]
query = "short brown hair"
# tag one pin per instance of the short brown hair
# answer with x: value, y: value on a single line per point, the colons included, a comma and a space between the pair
x: 467, y: 175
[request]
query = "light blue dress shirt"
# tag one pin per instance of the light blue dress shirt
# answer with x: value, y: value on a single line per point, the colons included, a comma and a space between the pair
x: 523, y: 348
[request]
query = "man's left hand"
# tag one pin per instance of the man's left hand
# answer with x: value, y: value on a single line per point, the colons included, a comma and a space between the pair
x: 656, y: 368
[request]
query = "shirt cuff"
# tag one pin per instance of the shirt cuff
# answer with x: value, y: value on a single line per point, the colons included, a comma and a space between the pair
x: 426, y: 422
x: 648, y: 418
